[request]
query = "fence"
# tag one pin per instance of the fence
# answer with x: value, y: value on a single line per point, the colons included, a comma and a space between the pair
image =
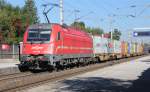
x: 8, y: 51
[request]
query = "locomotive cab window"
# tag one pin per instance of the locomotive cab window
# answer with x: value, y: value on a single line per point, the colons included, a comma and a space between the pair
x: 39, y: 35
x: 58, y: 36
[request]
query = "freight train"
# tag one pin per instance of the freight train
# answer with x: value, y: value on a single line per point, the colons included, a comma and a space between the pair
x: 53, y: 46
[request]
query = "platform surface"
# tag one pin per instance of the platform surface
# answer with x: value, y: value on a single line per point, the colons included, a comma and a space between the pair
x: 5, y: 63
x: 9, y: 66
x: 131, y: 76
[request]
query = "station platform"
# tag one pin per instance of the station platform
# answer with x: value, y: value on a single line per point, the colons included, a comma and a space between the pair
x: 9, y: 66
x: 133, y: 76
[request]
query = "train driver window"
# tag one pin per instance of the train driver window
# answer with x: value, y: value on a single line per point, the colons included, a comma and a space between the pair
x: 58, y: 36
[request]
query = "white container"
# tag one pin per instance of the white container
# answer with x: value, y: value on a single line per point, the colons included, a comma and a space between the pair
x: 100, y: 45
x: 116, y: 47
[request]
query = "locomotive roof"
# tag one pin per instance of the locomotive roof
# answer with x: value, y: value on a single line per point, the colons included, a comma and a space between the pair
x: 42, y: 25
x: 48, y: 26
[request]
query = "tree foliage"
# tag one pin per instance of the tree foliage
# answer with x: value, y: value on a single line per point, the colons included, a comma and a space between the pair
x: 13, y: 20
x: 30, y: 12
x: 116, y: 34
x: 93, y: 31
x: 79, y: 25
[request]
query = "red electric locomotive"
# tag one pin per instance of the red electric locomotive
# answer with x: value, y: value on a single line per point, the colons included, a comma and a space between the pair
x: 46, y: 46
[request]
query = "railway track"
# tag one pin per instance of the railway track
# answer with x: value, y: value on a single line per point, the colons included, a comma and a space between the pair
x: 20, y: 81
x: 6, y: 76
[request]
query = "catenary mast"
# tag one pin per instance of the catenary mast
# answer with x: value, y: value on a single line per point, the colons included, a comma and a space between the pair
x: 61, y: 12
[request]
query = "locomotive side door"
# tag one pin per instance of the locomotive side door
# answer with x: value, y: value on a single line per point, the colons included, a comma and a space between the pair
x: 60, y: 42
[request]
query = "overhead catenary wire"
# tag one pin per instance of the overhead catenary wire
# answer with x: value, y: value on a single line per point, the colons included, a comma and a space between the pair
x: 45, y: 12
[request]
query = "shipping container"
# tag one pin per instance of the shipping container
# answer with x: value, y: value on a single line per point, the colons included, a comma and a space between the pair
x: 129, y: 48
x: 140, y: 49
x: 124, y: 48
x: 100, y: 45
x: 136, y: 48
x: 116, y: 47
x: 110, y: 46
x: 132, y: 48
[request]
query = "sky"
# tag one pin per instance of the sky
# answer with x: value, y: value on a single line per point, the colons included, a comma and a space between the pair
x: 96, y: 13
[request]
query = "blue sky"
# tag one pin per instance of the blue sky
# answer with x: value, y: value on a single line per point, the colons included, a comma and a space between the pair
x: 101, y: 9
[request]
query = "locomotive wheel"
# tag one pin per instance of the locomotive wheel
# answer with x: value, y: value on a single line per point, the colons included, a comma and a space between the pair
x: 116, y: 58
x: 59, y: 66
x: 78, y: 64
x: 23, y: 68
x: 50, y: 68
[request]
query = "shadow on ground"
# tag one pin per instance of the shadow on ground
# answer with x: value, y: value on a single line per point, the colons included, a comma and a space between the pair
x: 99, y: 84
x: 96, y: 84
x: 142, y: 84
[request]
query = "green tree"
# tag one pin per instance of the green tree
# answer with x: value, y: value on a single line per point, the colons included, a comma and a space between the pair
x: 79, y: 25
x: 30, y: 12
x: 94, y: 31
x: 6, y: 17
x: 116, y: 34
x: 14, y: 20
x: 2, y: 4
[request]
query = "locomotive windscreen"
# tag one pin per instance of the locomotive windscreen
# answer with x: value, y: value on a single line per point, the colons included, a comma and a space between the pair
x: 39, y: 35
